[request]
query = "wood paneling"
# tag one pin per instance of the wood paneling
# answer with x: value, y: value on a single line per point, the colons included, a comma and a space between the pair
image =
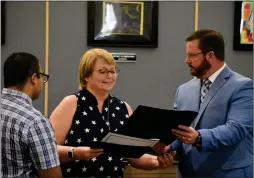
x: 131, y: 172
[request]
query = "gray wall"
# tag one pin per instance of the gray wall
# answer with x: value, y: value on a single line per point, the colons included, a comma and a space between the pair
x: 25, y: 29
x: 152, y: 80
x: 222, y: 20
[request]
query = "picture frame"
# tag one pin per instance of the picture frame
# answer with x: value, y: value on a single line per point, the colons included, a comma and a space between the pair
x: 122, y: 24
x: 243, y: 26
x: 3, y: 9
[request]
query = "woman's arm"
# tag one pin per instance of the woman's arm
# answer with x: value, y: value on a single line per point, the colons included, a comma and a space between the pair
x: 61, y: 120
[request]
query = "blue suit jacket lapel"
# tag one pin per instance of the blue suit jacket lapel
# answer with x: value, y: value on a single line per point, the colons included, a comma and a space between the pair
x: 218, y: 83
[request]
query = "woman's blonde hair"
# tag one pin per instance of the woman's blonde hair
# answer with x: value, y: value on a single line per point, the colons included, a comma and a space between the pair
x: 87, y: 63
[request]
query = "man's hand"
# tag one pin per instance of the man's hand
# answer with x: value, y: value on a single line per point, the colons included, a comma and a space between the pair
x: 187, y: 135
x: 161, y: 148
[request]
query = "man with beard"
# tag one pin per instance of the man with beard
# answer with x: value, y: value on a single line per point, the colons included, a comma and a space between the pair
x: 219, y: 142
x: 27, y: 137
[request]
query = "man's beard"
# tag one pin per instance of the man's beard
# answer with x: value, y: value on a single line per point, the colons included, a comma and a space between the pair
x: 201, y: 69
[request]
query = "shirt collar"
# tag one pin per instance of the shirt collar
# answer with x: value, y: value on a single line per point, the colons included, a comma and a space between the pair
x: 213, y: 77
x: 92, y: 99
x: 16, y: 93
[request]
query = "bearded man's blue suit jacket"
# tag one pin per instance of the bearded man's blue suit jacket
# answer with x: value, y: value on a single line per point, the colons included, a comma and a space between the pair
x: 225, y: 122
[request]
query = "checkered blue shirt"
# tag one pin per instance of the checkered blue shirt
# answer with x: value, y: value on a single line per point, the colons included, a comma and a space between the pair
x: 28, y: 141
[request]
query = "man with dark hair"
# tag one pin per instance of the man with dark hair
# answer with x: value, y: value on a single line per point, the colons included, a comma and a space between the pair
x: 219, y: 142
x: 28, y: 141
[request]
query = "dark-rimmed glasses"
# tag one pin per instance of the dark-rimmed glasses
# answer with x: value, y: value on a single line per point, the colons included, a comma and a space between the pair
x: 45, y: 77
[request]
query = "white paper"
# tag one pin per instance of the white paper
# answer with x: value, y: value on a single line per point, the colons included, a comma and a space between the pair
x: 126, y: 140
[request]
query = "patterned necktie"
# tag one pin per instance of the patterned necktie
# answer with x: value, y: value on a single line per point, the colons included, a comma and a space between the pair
x: 204, y: 89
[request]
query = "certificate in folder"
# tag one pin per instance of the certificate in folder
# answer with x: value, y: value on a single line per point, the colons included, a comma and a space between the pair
x: 125, y: 146
x: 145, y: 127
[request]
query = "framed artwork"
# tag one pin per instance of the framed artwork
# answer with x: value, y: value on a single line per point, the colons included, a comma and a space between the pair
x: 243, y: 26
x: 122, y: 23
x: 3, y: 3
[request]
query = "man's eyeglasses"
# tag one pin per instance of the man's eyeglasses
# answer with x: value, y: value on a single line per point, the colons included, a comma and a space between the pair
x: 45, y: 77
x: 191, y: 55
x: 105, y: 72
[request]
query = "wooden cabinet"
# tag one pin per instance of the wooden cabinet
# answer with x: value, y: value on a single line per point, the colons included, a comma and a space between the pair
x: 131, y: 172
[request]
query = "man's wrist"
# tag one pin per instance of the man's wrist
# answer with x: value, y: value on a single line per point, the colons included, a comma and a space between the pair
x: 198, y: 141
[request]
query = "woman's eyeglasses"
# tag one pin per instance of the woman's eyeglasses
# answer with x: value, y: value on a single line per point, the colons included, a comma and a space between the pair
x: 105, y: 72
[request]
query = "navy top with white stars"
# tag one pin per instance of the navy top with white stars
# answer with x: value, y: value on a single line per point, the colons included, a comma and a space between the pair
x: 90, y: 126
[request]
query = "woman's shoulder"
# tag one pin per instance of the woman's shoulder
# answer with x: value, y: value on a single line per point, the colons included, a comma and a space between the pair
x: 77, y: 93
x: 116, y: 100
x: 69, y: 100
x: 73, y: 97
x: 123, y: 103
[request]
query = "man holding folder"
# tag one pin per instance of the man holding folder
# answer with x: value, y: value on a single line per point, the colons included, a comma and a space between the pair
x: 219, y: 142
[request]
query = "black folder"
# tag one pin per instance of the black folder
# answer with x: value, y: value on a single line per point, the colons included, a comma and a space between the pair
x: 148, y: 123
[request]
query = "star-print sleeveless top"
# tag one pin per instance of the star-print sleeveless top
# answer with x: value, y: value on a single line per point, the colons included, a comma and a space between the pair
x: 89, y: 126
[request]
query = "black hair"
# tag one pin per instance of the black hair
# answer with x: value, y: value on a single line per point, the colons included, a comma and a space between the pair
x: 18, y: 67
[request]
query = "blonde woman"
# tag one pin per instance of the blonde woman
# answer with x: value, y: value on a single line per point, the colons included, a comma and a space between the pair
x: 88, y: 115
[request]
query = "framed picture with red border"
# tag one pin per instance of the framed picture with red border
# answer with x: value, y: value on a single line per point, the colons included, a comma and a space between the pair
x: 243, y: 26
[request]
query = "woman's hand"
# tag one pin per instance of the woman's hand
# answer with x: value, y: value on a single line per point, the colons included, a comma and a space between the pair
x: 166, y: 160
x: 86, y: 153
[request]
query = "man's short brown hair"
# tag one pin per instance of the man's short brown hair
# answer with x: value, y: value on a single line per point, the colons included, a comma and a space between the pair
x: 209, y: 40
